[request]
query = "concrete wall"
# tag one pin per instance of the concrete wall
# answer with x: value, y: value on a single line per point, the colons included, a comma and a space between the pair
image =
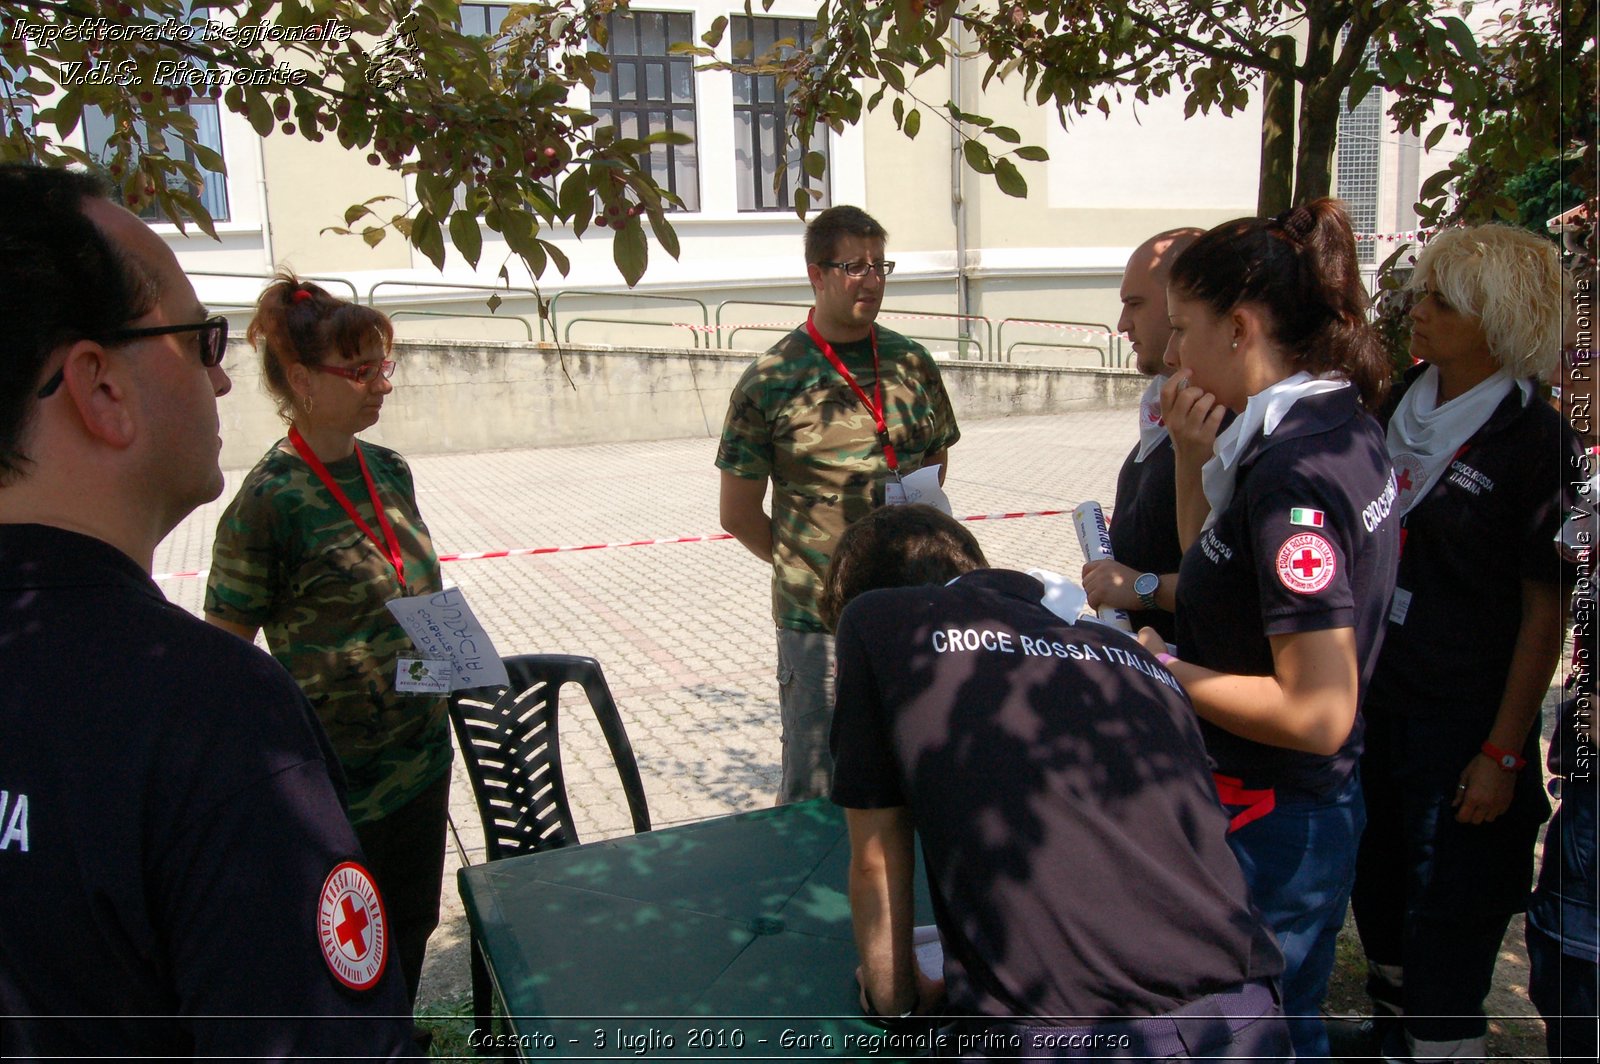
x: 474, y: 396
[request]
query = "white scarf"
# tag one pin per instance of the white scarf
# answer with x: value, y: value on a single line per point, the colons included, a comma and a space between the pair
x: 1263, y: 413
x: 1152, y: 430
x: 1424, y: 436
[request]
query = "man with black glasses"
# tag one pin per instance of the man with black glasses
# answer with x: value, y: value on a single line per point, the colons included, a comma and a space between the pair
x: 834, y: 415
x: 179, y: 875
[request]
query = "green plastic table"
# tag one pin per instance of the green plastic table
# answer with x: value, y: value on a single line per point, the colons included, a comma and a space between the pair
x: 726, y: 938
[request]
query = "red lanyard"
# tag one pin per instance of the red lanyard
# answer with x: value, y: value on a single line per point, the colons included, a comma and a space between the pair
x: 389, y: 545
x: 879, y: 425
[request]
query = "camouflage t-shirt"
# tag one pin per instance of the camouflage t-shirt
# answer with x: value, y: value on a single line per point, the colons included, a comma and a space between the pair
x: 793, y: 418
x: 289, y: 560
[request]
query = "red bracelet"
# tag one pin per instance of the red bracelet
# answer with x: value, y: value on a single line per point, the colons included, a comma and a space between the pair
x: 1504, y: 758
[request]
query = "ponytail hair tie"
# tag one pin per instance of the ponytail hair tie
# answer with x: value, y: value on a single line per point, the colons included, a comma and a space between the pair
x: 1297, y: 223
x: 299, y: 295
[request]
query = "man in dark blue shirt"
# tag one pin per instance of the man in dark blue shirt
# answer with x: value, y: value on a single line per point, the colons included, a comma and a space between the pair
x: 179, y: 874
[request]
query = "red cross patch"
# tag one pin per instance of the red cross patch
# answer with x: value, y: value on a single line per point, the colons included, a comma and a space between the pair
x: 1408, y: 477
x: 1306, y: 563
x: 352, y: 928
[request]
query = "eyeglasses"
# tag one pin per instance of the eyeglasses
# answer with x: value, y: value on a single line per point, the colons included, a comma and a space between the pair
x: 860, y: 269
x: 213, y: 345
x: 365, y: 373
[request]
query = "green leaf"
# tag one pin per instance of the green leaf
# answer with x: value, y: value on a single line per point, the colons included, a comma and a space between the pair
x: 259, y: 112
x: 575, y: 196
x: 1005, y: 134
x: 351, y: 213
x: 427, y: 237
x: 815, y: 163
x: 977, y: 156
x: 913, y: 123
x: 666, y: 236
x: 466, y: 236
x: 208, y: 159
x: 373, y: 235
x: 1461, y: 36
x: 1010, y: 179
x: 557, y: 256
x: 892, y: 74
x: 712, y: 36
x: 1361, y: 82
x: 1032, y: 153
x: 630, y: 252
x: 1435, y: 135
x: 67, y: 112
x: 493, y: 302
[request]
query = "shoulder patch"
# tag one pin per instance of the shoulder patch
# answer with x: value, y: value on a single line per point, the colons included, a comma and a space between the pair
x: 352, y: 927
x: 1306, y: 563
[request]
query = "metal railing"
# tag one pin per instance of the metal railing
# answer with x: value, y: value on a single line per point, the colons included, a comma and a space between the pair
x: 372, y: 292
x: 733, y: 328
x: 266, y: 278
x: 1110, y: 352
x: 705, y: 314
x: 507, y: 318
x: 961, y: 342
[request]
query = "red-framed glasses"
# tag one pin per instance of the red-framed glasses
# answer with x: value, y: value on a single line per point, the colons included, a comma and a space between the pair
x: 365, y: 373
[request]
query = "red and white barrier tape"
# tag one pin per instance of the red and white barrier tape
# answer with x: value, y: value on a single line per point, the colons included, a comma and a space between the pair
x: 519, y: 552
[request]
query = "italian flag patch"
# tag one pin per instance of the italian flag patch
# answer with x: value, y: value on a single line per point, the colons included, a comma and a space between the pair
x: 1299, y: 515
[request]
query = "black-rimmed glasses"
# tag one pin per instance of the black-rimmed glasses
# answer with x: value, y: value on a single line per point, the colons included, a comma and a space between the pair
x: 213, y: 345
x: 861, y: 269
x: 365, y: 373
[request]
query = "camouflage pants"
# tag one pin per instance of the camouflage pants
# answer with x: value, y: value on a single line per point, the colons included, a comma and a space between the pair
x: 805, y: 701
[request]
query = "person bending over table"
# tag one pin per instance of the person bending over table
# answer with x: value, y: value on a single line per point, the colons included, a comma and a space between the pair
x: 323, y: 532
x: 1076, y: 853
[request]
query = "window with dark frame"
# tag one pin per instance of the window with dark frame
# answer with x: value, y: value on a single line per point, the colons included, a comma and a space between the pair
x: 213, y: 189
x: 766, y: 177
x: 649, y: 91
x: 483, y: 20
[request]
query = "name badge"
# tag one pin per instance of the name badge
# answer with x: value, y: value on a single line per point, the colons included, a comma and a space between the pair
x: 1399, y: 606
x: 423, y: 676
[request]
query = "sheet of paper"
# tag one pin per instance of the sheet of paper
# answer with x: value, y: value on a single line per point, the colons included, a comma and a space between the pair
x: 443, y: 628
x: 920, y: 487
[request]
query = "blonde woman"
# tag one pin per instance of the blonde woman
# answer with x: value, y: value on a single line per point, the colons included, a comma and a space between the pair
x: 1474, y: 633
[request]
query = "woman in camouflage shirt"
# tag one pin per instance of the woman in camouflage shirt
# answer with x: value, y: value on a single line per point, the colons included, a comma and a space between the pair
x: 322, y: 533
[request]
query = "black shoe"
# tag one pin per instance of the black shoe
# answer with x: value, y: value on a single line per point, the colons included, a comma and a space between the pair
x: 1357, y: 1037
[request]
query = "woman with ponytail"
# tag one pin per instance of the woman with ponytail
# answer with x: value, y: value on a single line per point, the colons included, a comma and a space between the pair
x: 1289, y: 559
x: 323, y: 533
x: 1453, y: 789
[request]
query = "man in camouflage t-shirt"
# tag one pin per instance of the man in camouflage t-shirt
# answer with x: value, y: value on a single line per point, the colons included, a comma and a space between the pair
x: 796, y: 420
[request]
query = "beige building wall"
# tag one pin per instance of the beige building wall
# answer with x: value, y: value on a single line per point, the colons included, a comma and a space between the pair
x: 309, y: 185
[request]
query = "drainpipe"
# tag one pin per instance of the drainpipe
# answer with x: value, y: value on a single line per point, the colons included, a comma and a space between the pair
x: 261, y: 193
x: 958, y: 203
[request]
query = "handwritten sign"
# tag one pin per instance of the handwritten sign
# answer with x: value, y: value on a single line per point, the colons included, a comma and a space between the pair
x: 443, y: 628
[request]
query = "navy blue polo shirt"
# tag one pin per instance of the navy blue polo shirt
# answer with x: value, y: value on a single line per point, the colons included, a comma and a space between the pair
x: 169, y: 834
x: 1076, y: 852
x: 1488, y: 524
x: 1307, y: 543
x: 1144, y: 525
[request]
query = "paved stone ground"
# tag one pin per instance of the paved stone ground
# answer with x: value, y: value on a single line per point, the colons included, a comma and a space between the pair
x: 684, y: 631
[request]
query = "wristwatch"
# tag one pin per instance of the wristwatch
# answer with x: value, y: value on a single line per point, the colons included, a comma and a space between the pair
x: 1146, y: 587
x: 1504, y: 758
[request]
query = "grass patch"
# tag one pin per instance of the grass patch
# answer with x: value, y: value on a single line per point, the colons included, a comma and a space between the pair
x: 451, y: 1022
